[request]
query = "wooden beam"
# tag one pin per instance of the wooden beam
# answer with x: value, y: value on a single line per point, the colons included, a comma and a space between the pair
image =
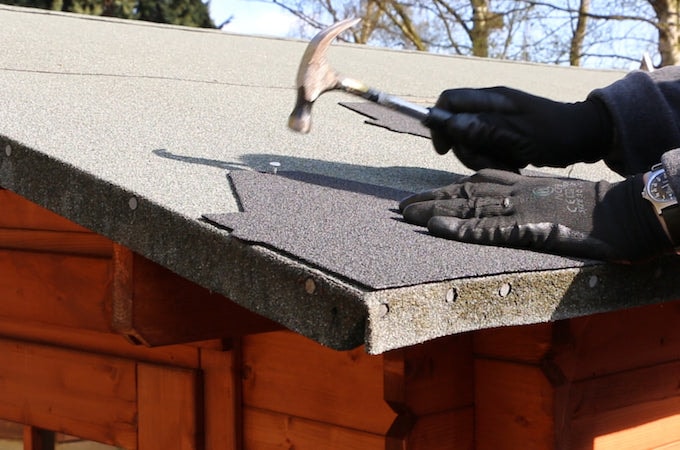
x: 66, y: 242
x: 428, y: 385
x: 20, y: 213
x: 38, y: 439
x: 107, y: 343
x: 154, y: 306
x: 298, y: 377
x: 82, y: 394
x: 514, y: 406
x: 170, y: 408
x: 274, y: 430
x: 223, y: 398
x: 63, y: 290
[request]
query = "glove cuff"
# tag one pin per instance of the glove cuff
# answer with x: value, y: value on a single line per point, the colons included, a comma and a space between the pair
x: 595, y: 119
x: 650, y: 236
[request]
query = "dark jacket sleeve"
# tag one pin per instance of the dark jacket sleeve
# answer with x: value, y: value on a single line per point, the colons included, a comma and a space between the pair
x: 645, y: 109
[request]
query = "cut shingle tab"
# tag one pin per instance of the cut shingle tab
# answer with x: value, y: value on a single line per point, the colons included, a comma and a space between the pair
x: 353, y: 230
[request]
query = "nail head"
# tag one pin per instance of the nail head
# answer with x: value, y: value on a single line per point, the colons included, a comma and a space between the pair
x: 8, y: 150
x: 310, y: 286
x: 504, y: 290
x: 132, y: 203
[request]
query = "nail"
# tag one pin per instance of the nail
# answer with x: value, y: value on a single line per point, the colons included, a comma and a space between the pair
x: 310, y: 286
x: 504, y: 290
x: 8, y: 150
x: 132, y: 203
x: 451, y: 295
x: 275, y: 166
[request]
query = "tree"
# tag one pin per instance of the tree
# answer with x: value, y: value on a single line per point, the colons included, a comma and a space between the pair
x: 193, y: 13
x: 668, y: 13
x: 610, y: 33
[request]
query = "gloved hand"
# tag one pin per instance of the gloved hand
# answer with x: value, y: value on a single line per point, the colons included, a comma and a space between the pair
x: 555, y: 215
x: 505, y: 128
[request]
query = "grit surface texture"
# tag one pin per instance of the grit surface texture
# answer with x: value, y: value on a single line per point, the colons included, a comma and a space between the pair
x: 138, y: 131
x: 354, y: 230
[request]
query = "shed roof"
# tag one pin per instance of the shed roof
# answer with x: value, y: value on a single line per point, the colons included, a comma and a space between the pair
x: 137, y: 131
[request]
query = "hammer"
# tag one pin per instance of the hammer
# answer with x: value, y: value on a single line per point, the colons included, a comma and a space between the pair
x: 315, y: 76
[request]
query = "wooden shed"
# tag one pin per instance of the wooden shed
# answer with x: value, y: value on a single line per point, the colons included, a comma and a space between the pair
x: 161, y: 288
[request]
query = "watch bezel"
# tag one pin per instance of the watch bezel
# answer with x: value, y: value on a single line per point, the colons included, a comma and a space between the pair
x: 657, y: 172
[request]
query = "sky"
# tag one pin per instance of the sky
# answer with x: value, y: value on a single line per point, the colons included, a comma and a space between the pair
x: 261, y: 17
x: 252, y: 17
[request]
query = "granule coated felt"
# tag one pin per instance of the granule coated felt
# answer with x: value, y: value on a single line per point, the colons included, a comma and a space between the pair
x: 387, y: 118
x: 354, y: 231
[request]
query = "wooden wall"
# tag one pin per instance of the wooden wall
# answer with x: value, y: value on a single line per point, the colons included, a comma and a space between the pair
x: 100, y: 343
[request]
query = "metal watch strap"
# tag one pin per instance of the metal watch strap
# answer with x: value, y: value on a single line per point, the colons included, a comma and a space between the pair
x: 671, y: 215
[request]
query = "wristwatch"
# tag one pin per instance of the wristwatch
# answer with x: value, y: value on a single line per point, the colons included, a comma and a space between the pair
x: 659, y: 193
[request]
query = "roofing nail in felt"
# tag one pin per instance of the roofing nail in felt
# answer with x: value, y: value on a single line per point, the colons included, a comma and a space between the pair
x: 8, y: 150
x: 504, y: 290
x: 275, y: 166
x: 310, y: 286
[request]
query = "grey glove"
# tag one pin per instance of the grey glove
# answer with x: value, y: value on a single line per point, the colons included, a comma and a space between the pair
x: 508, y: 129
x: 555, y: 215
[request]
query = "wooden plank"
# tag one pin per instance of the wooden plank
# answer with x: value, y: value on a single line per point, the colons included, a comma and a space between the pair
x: 448, y: 430
x: 295, y: 376
x: 528, y: 343
x: 266, y: 430
x: 425, y: 382
x: 170, y: 410
x: 38, y: 439
x: 431, y: 377
x: 648, y: 425
x: 222, y: 398
x: 670, y: 446
x: 157, y: 307
x: 621, y: 340
x: 96, y: 342
x: 55, y: 289
x: 615, y: 409
x: 86, y: 395
x: 514, y: 406
x: 18, y: 212
x: 68, y: 242
x: 593, y: 396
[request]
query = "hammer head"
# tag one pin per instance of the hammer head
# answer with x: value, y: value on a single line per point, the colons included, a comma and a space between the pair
x: 315, y: 76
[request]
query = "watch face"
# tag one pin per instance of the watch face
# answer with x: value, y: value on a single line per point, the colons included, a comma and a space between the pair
x: 659, y: 189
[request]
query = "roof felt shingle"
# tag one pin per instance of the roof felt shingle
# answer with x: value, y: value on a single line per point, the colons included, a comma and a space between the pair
x: 134, y: 130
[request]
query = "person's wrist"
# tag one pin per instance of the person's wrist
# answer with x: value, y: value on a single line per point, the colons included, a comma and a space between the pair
x: 595, y: 117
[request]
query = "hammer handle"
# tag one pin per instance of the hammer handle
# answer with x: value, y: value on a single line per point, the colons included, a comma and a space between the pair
x: 430, y: 117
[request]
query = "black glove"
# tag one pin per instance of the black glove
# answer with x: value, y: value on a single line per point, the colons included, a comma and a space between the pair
x: 555, y: 215
x: 505, y: 128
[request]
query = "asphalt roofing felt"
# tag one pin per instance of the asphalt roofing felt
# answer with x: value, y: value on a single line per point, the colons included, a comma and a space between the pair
x: 140, y: 131
x: 317, y: 219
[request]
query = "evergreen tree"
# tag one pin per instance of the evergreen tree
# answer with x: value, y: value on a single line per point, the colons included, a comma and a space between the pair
x: 192, y: 13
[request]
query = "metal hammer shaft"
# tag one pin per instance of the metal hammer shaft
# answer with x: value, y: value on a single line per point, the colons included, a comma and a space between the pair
x: 315, y: 76
x: 430, y: 117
